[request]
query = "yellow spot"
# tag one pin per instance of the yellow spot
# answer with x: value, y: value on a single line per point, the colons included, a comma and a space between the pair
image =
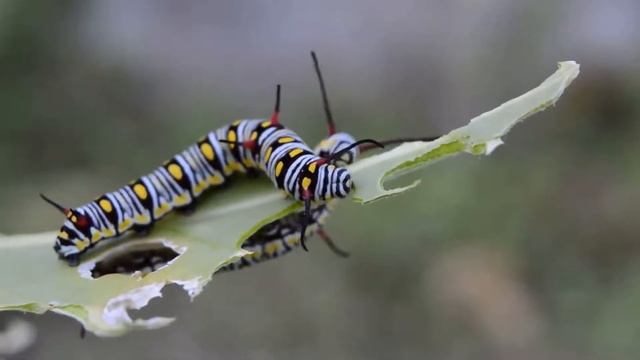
x: 109, y: 233
x: 265, y: 124
x: 163, y: 209
x: 80, y: 245
x: 181, y: 200
x: 200, y: 187
x: 312, y: 167
x: 326, y: 144
x: 232, y: 167
x: 74, y: 218
x: 286, y: 139
x: 306, y: 182
x: 141, y: 191
x: 207, y: 151
x: 231, y: 136
x: 175, y: 170
x: 216, y: 180
x: 295, y: 152
x: 142, y: 219
x: 268, y: 154
x: 96, y: 236
x: 279, y: 167
x: 63, y: 235
x: 125, y: 225
x: 292, y: 240
x: 236, y: 123
x: 271, y: 248
x: 257, y: 254
x: 254, y: 135
x: 247, y: 162
x: 106, y: 205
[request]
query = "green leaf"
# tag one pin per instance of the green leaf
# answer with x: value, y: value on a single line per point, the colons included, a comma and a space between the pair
x: 34, y: 280
x: 480, y: 137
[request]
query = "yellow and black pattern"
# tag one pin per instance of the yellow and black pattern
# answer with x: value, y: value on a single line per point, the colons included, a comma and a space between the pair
x: 278, y: 238
x: 282, y: 236
x: 241, y: 147
x: 244, y: 146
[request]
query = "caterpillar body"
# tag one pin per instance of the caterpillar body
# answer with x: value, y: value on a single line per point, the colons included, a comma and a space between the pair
x: 271, y: 241
x: 243, y: 146
x: 278, y: 238
x: 282, y: 236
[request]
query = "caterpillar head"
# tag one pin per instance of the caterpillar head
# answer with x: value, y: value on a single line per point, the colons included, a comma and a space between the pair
x: 335, y: 143
x: 322, y: 181
x: 74, y: 236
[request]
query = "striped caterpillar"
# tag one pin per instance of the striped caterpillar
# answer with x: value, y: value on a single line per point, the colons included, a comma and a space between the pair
x: 282, y: 236
x: 245, y: 146
x: 241, y: 147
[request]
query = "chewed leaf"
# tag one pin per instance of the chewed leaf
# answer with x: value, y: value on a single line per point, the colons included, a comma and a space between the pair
x: 187, y: 250
x: 33, y: 279
x: 480, y: 137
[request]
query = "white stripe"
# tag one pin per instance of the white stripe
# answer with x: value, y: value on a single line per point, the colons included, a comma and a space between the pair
x: 151, y: 189
x: 116, y: 208
x: 187, y: 169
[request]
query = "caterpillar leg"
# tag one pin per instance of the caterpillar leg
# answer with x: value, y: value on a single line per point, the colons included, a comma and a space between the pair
x: 83, y: 331
x: 143, y: 229
x: 188, y: 209
x: 253, y: 173
x: 327, y: 240
x: 73, y: 260
x: 306, y: 220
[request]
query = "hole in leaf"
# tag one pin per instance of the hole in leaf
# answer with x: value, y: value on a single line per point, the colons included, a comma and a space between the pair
x: 139, y: 259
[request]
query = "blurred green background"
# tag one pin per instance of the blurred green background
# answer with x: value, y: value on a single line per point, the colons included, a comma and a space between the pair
x: 530, y: 253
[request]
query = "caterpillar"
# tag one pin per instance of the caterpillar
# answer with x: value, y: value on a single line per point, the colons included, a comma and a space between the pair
x: 278, y: 238
x: 243, y: 146
x: 270, y: 241
x: 282, y: 236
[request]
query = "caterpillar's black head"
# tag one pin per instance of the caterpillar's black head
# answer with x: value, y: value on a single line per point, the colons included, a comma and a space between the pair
x: 74, y: 236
